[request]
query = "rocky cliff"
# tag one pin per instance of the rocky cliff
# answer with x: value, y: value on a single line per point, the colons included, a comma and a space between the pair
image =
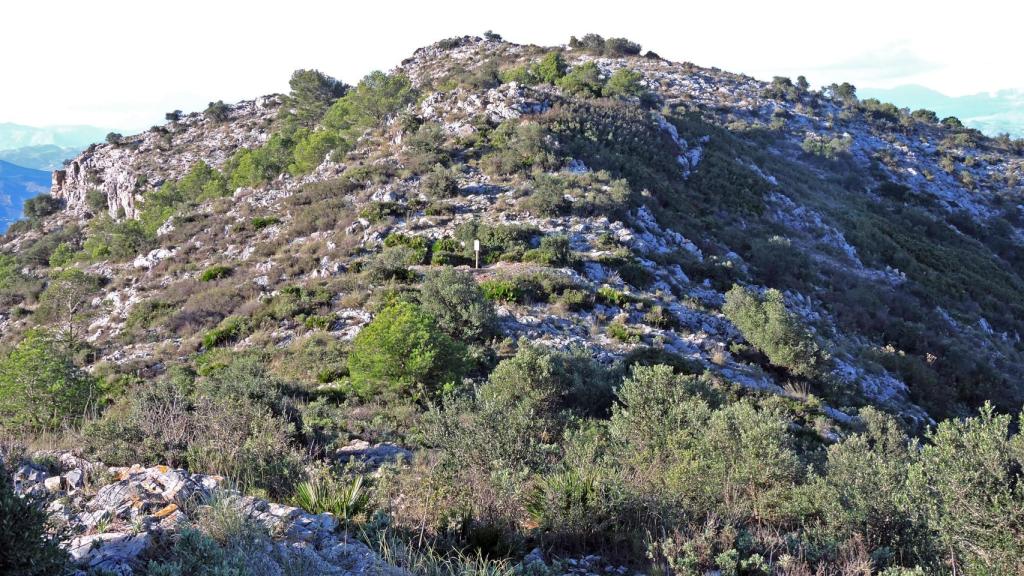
x: 124, y: 171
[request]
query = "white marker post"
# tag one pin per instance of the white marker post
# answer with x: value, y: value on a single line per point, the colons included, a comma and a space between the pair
x: 476, y: 249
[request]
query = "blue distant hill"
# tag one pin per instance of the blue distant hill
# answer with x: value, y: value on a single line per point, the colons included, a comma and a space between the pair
x: 40, y: 157
x: 20, y: 136
x: 18, y: 184
x: 992, y: 113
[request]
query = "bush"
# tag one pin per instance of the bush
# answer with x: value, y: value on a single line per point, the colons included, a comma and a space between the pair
x: 261, y: 222
x: 440, y: 182
x: 965, y: 480
x: 217, y: 111
x: 624, y: 333
x: 393, y: 264
x: 403, y: 352
x: 41, y: 388
x: 772, y: 329
x: 624, y: 83
x: 518, y: 147
x: 27, y: 548
x: 598, y: 46
x: 553, y: 251
x: 520, y: 74
x: 547, y: 197
x: 377, y: 211
x: 229, y: 330
x: 621, y: 47
x: 551, y: 68
x: 829, y: 148
x: 39, y: 207
x: 424, y: 149
x: 62, y: 255
x: 458, y: 305
x: 216, y: 272
x: 497, y: 242
x: 584, y: 80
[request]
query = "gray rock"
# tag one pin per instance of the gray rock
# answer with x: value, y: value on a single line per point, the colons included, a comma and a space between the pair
x: 373, y: 456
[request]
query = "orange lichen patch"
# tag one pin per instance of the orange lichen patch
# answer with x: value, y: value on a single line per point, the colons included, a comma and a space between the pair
x: 166, y: 511
x: 162, y: 468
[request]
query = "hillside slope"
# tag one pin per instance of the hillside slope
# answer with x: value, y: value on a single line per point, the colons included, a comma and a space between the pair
x: 787, y: 268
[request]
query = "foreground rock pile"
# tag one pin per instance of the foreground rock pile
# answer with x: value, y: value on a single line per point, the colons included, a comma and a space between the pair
x: 115, y: 516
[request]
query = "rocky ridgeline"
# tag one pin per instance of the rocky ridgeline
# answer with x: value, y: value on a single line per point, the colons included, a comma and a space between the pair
x: 139, y: 163
x: 115, y: 515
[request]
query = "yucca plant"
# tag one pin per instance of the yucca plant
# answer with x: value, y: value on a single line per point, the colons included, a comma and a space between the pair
x: 345, y: 500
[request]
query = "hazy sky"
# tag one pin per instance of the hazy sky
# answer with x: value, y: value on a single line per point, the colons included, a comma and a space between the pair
x: 123, y: 64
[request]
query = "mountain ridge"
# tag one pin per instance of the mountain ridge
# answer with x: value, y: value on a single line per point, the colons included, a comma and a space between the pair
x: 598, y: 294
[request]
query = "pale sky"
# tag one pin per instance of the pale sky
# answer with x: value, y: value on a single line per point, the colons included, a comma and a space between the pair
x: 123, y: 64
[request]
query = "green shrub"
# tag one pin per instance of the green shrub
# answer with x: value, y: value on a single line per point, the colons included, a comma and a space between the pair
x: 217, y: 111
x: 147, y: 313
x: 440, y: 182
x: 575, y: 299
x: 829, y: 148
x: 377, y: 211
x: 964, y: 481
x: 39, y: 207
x: 403, y: 352
x: 41, y: 388
x: 518, y: 147
x: 319, y: 321
x: 459, y: 306
x: 425, y: 148
x: 27, y: 548
x: 497, y: 242
x: 312, y: 148
x: 553, y: 251
x: 501, y: 290
x: 261, y: 222
x: 249, y: 168
x: 393, y: 264
x: 772, y: 329
x: 625, y: 333
x: 62, y: 255
x: 584, y: 81
x: 419, y: 245
x: 624, y: 83
x: 550, y: 68
x: 216, y: 272
x: 613, y: 297
x: 520, y: 74
x: 229, y: 330
x: 547, y: 198
x: 598, y: 46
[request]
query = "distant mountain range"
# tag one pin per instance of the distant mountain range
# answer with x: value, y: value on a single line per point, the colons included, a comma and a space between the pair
x: 992, y: 113
x: 29, y: 153
x: 20, y: 136
x: 18, y: 184
x: 41, y: 157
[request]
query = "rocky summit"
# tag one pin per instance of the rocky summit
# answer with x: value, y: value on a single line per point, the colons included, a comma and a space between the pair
x: 512, y: 309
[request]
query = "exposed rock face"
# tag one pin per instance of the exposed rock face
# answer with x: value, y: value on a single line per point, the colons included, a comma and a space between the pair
x: 123, y: 172
x: 113, y: 525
